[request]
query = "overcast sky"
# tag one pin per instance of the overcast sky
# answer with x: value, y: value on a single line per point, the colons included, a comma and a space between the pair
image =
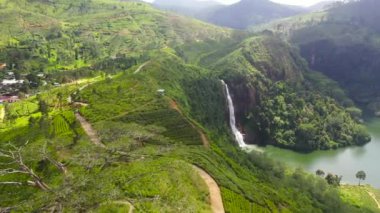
x: 292, y: 2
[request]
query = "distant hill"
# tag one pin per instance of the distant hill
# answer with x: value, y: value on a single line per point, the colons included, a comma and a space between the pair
x: 187, y: 5
x: 91, y: 31
x: 321, y: 5
x: 251, y: 12
x: 341, y: 42
x: 240, y: 15
x: 194, y: 8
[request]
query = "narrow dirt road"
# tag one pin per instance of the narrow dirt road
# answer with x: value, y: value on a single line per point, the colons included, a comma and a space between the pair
x: 2, y: 114
x: 215, y: 195
x: 374, y: 198
x: 140, y: 67
x: 204, y: 139
x: 89, y: 130
x: 131, y: 207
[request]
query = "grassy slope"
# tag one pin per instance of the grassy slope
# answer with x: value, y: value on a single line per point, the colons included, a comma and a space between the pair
x: 114, y: 22
x: 156, y: 175
x: 157, y: 159
x: 359, y: 196
x: 100, y: 176
x: 168, y: 72
x: 113, y: 28
x: 64, y: 35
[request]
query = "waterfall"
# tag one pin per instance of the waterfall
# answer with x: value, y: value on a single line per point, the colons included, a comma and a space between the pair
x: 238, y: 135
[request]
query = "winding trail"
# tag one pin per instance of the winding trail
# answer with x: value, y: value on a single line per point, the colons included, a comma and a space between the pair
x: 204, y: 139
x: 374, y: 198
x: 84, y: 123
x: 216, y: 201
x: 131, y: 207
x: 215, y: 195
x: 140, y: 67
x: 89, y: 130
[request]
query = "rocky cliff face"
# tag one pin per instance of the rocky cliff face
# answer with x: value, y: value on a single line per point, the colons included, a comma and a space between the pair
x: 354, y: 65
x: 344, y: 46
x: 279, y: 101
x: 250, y: 71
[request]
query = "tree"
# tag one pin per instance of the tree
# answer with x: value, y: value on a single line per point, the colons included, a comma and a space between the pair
x: 333, y: 179
x: 32, y: 121
x: 60, y: 100
x: 361, y: 175
x: 43, y: 107
x: 320, y: 173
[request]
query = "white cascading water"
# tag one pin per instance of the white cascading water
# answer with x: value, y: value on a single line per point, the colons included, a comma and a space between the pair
x: 238, y: 136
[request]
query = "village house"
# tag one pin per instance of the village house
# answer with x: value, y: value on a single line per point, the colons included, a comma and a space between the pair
x: 3, y: 66
x: 40, y: 75
x: 9, y: 99
x: 161, y: 92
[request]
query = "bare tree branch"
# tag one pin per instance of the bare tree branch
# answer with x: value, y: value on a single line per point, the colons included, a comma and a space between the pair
x: 58, y: 164
x: 11, y: 171
x: 14, y: 154
x: 11, y: 183
x: 5, y: 209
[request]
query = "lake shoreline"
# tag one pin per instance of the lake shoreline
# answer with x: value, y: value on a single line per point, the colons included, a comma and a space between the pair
x: 343, y: 161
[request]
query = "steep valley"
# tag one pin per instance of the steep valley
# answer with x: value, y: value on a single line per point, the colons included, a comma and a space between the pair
x: 119, y: 102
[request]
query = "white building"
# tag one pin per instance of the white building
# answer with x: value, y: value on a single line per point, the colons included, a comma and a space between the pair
x: 161, y: 91
x: 6, y: 82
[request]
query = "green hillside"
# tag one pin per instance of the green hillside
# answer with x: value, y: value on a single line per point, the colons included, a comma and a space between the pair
x: 130, y: 100
x: 54, y: 36
x: 342, y: 43
x: 281, y: 102
x: 144, y: 143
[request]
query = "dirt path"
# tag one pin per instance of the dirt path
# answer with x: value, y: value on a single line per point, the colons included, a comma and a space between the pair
x: 80, y: 104
x: 131, y: 207
x: 215, y: 195
x: 204, y: 139
x: 2, y: 114
x: 140, y: 67
x: 89, y: 130
x: 83, y: 87
x: 374, y: 198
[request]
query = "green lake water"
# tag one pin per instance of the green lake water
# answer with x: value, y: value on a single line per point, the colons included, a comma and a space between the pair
x: 345, y: 162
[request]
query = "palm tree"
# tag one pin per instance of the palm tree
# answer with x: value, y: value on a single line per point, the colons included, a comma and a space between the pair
x: 360, y: 175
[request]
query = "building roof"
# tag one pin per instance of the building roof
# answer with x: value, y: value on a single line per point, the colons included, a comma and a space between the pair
x: 160, y: 90
x: 9, y: 98
x: 11, y: 82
